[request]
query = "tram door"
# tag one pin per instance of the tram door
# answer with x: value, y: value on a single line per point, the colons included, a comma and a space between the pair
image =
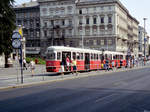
x: 87, y: 61
x: 64, y: 56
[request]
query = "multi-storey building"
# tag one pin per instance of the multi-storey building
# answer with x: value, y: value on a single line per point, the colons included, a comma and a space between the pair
x: 96, y: 24
x: 143, y: 45
x: 28, y: 15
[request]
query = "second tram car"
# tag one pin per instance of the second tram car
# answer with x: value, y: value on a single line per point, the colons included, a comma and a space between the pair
x: 87, y: 59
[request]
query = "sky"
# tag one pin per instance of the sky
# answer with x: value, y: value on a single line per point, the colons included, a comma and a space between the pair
x: 139, y: 9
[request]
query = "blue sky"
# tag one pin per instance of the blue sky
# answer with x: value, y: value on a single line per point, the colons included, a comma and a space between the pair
x: 137, y: 8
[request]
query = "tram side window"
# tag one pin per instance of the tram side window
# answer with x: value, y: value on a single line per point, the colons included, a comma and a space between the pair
x: 101, y: 57
x: 92, y: 57
x: 74, y: 55
x: 97, y: 56
x: 58, y: 55
x: 51, y: 56
x: 78, y: 56
x: 121, y: 56
x: 106, y: 56
x: 110, y: 56
x: 114, y: 57
x: 81, y: 56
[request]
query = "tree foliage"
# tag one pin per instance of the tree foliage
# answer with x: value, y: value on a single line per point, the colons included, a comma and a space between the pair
x: 7, y: 25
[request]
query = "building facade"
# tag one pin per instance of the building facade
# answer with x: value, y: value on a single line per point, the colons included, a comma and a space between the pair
x: 95, y: 24
x: 143, y: 45
x: 28, y: 16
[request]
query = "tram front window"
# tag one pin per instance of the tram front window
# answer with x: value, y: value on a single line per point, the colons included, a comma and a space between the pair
x: 51, y: 56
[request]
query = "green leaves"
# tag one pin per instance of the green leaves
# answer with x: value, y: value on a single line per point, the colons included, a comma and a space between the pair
x: 7, y: 25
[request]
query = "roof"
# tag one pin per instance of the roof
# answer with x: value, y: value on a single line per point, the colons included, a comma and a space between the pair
x: 27, y: 4
x: 60, y: 48
x: 73, y: 49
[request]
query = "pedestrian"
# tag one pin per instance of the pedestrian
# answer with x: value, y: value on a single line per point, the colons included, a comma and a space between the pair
x: 68, y: 63
x: 107, y: 65
x: 24, y: 64
x: 74, y: 65
x: 32, y: 67
x: 113, y: 65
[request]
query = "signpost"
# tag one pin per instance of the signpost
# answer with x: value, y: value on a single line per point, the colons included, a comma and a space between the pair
x: 17, y: 44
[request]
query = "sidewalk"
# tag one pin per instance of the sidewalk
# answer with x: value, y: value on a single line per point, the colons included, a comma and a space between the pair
x: 11, y: 77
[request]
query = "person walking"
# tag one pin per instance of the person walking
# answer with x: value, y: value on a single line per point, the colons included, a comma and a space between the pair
x: 24, y: 64
x: 107, y: 64
x: 74, y: 64
x: 68, y: 63
x: 32, y: 67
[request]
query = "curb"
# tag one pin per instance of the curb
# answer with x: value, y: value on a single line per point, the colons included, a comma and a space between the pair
x: 70, y: 78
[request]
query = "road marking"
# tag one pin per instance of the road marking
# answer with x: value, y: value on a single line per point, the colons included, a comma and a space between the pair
x: 103, y: 98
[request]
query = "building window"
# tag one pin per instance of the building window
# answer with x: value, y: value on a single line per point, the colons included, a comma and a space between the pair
x: 87, y: 20
x: 19, y: 22
x: 102, y: 8
x: 90, y: 42
x: 51, y: 11
x: 80, y: 11
x: 37, y: 23
x: 31, y: 33
x: 70, y: 9
x: 87, y: 32
x: 62, y: 10
x: 109, y: 19
x: 45, y: 24
x: 63, y: 32
x: 109, y: 7
x: 52, y: 22
x: 37, y: 33
x: 94, y: 20
x: 70, y: 32
x: 44, y: 10
x: 57, y: 11
x: 45, y: 33
x: 109, y: 41
x: 25, y: 23
x: 102, y: 42
x: 102, y: 19
x: 31, y: 23
x: 80, y: 21
x: 94, y: 31
x: 87, y: 10
x: 70, y: 22
x: 63, y: 22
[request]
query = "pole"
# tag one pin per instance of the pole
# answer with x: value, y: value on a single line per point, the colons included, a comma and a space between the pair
x: 144, y: 36
x: 21, y: 62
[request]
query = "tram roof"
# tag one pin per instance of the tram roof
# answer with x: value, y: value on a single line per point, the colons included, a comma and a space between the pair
x: 63, y: 48
x: 71, y: 49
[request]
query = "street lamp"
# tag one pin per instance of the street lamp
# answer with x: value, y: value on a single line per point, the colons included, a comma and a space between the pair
x: 144, y: 35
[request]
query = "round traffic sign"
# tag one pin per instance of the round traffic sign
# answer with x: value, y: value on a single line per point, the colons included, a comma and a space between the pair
x: 16, y: 35
x: 16, y: 43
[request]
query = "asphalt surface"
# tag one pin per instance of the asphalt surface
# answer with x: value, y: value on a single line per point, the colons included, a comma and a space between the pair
x: 127, y: 91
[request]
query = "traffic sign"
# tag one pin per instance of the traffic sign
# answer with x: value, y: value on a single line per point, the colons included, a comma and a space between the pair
x: 16, y: 35
x: 16, y: 43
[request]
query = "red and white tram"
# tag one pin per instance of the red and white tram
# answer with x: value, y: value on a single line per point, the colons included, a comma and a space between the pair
x: 87, y: 59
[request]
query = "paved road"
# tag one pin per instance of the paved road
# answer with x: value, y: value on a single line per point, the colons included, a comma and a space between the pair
x: 117, y: 92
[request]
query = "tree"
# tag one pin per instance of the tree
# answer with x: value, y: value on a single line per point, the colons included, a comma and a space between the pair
x: 7, y: 25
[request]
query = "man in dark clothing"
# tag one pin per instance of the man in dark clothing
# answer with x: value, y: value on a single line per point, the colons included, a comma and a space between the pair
x: 107, y: 64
